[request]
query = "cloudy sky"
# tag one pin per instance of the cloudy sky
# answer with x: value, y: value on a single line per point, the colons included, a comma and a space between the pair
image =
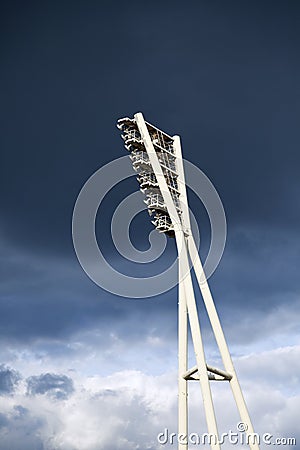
x: 82, y: 368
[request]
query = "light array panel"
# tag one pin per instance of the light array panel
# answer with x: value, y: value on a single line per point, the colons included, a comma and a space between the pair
x: 164, y: 148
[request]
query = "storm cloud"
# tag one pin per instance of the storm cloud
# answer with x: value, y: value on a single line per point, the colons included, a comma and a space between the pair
x: 57, y: 386
x: 9, y: 379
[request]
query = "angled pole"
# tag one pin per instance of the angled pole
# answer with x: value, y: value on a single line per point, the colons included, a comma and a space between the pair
x: 221, y: 342
x: 197, y: 342
x: 182, y: 361
x: 182, y: 325
x: 211, y: 309
x: 187, y: 281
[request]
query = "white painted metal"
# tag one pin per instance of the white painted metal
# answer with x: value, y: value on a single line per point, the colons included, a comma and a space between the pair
x: 211, y: 309
x: 187, y: 309
x: 182, y: 187
x: 222, y: 373
x: 182, y: 336
x: 187, y: 283
x: 220, y: 338
x: 182, y: 361
x: 197, y: 343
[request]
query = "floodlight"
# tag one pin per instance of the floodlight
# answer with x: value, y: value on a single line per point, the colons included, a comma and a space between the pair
x: 157, y: 159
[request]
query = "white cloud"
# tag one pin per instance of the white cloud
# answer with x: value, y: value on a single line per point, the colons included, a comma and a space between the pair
x: 127, y: 409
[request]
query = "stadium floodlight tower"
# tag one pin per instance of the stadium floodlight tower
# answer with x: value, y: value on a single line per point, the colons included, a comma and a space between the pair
x: 157, y: 159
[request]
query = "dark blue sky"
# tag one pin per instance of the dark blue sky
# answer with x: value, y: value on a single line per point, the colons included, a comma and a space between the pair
x: 223, y: 75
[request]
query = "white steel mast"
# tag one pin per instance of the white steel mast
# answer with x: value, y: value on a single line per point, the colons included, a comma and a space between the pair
x: 157, y: 159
